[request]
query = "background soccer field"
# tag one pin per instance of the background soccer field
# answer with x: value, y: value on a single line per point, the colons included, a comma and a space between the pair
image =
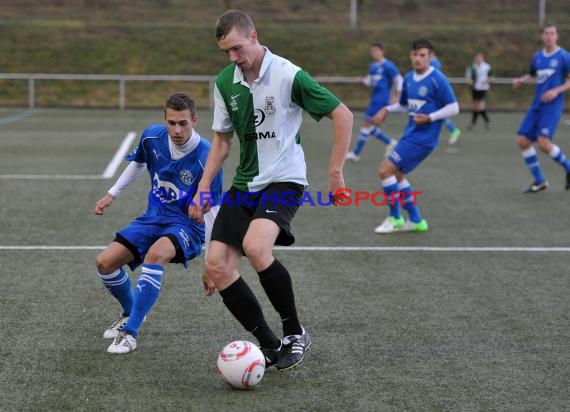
x: 472, y: 315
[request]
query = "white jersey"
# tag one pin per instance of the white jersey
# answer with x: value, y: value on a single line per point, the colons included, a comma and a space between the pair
x: 266, y: 117
x: 479, y: 74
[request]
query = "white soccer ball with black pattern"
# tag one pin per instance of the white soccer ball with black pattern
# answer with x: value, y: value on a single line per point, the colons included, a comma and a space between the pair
x: 241, y: 364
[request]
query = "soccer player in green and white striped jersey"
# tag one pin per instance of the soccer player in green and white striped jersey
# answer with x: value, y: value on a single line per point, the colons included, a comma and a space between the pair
x: 480, y: 76
x: 260, y: 97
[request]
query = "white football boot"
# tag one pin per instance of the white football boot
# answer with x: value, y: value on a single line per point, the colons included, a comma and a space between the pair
x: 390, y: 225
x: 123, y: 343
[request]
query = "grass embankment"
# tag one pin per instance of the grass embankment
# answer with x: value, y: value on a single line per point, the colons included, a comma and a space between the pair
x: 167, y: 46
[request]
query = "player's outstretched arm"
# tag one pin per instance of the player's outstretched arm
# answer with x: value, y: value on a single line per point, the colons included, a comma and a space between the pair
x: 219, y: 151
x: 342, y: 130
x: 131, y: 173
x: 519, y: 81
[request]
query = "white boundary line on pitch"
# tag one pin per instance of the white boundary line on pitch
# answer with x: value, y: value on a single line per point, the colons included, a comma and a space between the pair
x: 109, y: 172
x: 119, y: 155
x: 344, y: 248
x: 16, y: 117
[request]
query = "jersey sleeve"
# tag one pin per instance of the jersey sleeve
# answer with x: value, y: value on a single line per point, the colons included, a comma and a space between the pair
x: 312, y: 97
x: 138, y: 154
x: 393, y: 70
x: 446, y: 94
x: 222, y: 122
x: 567, y: 63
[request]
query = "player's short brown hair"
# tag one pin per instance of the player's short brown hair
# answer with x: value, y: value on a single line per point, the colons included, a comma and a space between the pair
x: 179, y: 102
x: 233, y: 18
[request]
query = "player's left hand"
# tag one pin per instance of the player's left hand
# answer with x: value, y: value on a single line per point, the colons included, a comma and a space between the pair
x: 209, y: 287
x: 549, y: 96
x: 421, y: 119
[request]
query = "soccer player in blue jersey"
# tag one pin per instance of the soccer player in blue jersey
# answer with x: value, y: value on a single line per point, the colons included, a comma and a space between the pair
x: 174, y: 155
x: 550, y: 71
x: 428, y: 98
x: 386, y: 81
x: 454, y: 131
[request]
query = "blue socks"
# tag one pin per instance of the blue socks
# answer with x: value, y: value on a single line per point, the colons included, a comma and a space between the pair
x: 146, y: 294
x: 412, y: 209
x: 390, y: 186
x: 531, y: 159
x: 119, y: 284
x: 380, y: 135
x: 558, y: 155
x: 365, y: 134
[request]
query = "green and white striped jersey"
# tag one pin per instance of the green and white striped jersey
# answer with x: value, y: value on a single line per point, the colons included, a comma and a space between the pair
x: 266, y: 118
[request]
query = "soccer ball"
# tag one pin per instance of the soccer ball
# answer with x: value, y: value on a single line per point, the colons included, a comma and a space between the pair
x: 241, y: 364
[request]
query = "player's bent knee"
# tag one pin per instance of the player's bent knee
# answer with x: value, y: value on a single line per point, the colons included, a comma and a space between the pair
x: 544, y: 144
x: 217, y: 271
x: 257, y: 253
x: 159, y: 256
x: 524, y: 143
x: 105, y: 264
x: 385, y: 172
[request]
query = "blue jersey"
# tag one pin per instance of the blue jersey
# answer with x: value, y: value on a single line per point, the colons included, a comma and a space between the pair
x: 550, y: 70
x: 425, y: 94
x: 173, y: 182
x: 382, y: 76
x: 434, y: 62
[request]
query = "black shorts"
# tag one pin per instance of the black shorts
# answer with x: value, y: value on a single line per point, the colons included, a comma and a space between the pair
x: 478, y: 95
x: 278, y: 202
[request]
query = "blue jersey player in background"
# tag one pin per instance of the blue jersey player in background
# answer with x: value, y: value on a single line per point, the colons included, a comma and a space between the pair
x: 385, y: 80
x: 174, y: 155
x: 428, y: 98
x: 550, y: 71
x: 454, y: 131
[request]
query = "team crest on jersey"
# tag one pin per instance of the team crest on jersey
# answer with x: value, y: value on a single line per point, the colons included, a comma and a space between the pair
x: 186, y: 176
x: 270, y: 105
x: 233, y: 103
x: 553, y: 63
x: 422, y: 91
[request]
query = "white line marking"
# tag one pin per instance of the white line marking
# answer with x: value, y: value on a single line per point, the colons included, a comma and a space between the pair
x: 422, y: 249
x: 341, y: 248
x: 119, y: 155
x: 16, y: 117
x: 107, y: 174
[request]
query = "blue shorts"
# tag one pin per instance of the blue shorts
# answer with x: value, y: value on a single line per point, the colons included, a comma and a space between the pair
x: 373, y: 108
x: 144, y: 231
x: 408, y: 155
x: 539, y: 122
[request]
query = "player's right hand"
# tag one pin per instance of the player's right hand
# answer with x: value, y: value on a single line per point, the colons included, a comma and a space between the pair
x: 209, y: 287
x: 103, y: 203
x: 199, y: 207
